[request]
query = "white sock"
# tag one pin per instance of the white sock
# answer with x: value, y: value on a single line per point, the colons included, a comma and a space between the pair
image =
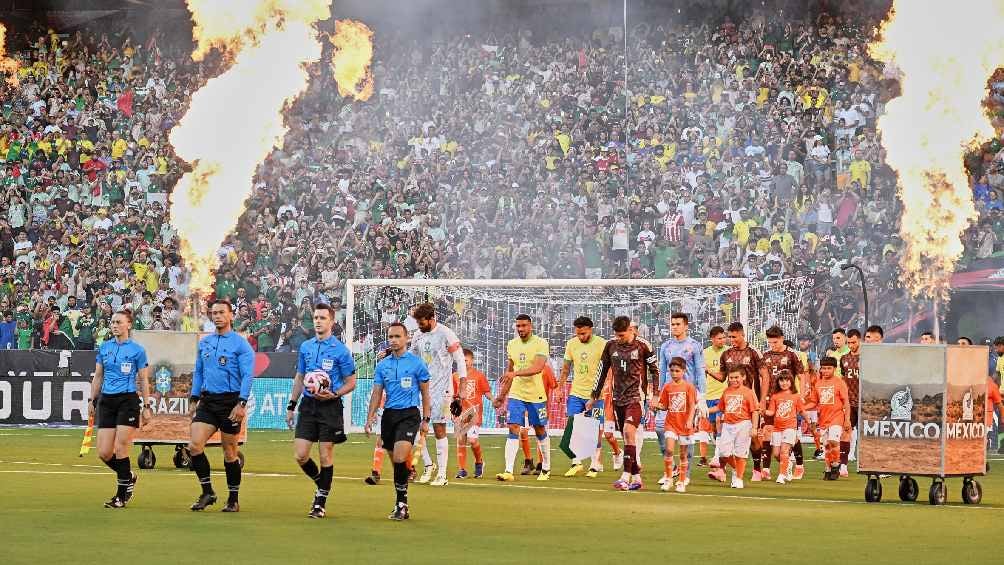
x: 854, y: 444
x: 545, y: 453
x: 635, y: 478
x: 511, y: 448
x: 637, y: 449
x: 625, y: 476
x: 442, y: 454
x: 426, y: 458
x: 597, y: 458
x: 576, y: 461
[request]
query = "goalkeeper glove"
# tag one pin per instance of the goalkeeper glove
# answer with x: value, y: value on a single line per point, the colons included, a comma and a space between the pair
x: 455, y: 407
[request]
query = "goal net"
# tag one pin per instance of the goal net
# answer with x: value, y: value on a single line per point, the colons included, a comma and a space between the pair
x: 483, y: 312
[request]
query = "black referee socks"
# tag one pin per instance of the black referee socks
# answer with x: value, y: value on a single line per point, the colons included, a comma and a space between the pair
x: 401, y: 482
x: 233, y: 469
x: 310, y: 469
x: 324, y: 484
x: 200, y: 464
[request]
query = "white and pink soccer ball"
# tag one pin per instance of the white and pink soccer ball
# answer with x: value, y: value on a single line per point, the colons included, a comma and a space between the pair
x: 316, y: 381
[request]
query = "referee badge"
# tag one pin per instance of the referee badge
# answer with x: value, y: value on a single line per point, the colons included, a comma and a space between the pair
x: 222, y: 360
x: 327, y: 364
x: 125, y: 368
x: 405, y: 382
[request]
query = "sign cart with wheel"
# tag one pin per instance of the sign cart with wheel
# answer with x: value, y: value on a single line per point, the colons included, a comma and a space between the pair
x: 921, y: 414
x: 171, y: 356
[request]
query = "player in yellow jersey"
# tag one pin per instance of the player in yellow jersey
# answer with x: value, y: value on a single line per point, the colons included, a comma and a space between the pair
x: 715, y: 385
x: 582, y: 359
x: 524, y: 385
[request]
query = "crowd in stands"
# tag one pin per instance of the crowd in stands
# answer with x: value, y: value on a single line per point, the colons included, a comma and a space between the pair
x: 742, y: 148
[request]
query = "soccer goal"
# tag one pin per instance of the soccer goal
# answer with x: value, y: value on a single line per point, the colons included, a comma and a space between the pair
x: 482, y: 313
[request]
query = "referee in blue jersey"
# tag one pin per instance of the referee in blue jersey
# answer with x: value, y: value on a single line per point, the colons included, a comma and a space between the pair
x: 320, y: 418
x: 221, y: 383
x: 120, y: 361
x: 403, y: 376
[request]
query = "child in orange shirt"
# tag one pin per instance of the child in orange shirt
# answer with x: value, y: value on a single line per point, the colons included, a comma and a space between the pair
x: 830, y: 399
x: 785, y: 406
x: 472, y: 390
x: 742, y: 411
x: 679, y: 399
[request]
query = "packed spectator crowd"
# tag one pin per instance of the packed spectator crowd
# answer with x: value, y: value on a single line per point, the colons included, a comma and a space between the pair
x: 739, y: 148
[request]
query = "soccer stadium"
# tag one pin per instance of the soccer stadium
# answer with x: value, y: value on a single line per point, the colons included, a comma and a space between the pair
x: 497, y: 281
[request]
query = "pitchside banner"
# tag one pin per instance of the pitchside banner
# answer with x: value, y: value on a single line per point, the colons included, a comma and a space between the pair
x: 45, y: 387
x: 922, y: 409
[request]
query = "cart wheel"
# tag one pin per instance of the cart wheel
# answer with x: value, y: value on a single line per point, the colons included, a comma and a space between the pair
x: 938, y: 494
x: 240, y: 458
x: 146, y: 459
x: 182, y: 459
x: 873, y: 490
x: 908, y: 489
x: 972, y: 491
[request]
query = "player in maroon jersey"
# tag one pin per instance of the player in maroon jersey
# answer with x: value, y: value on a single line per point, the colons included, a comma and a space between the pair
x: 850, y: 368
x: 777, y: 358
x: 743, y: 358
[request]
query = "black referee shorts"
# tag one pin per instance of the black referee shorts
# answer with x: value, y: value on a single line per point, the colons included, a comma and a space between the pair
x: 320, y: 420
x: 118, y: 410
x: 214, y: 409
x: 399, y: 424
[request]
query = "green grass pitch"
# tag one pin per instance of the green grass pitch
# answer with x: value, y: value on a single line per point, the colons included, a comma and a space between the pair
x: 51, y: 512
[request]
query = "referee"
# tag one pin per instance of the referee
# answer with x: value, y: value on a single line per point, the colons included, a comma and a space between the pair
x: 221, y: 383
x: 321, y: 412
x: 403, y: 375
x: 119, y: 362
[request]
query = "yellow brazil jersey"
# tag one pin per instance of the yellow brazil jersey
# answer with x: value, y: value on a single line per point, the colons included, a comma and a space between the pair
x: 585, y: 360
x: 713, y: 364
x: 522, y: 354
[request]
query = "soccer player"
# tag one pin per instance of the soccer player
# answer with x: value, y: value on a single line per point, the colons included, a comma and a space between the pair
x: 582, y: 359
x: 221, y: 384
x: 404, y: 377
x: 716, y: 384
x: 784, y: 407
x: 850, y: 368
x: 740, y: 356
x: 839, y: 338
x: 678, y: 400
x: 523, y: 384
x: 120, y: 362
x: 680, y: 345
x: 777, y: 358
x: 438, y: 347
x: 740, y: 410
x: 829, y: 398
x: 547, y: 378
x: 634, y: 370
x: 320, y: 412
x: 810, y: 360
x: 473, y: 389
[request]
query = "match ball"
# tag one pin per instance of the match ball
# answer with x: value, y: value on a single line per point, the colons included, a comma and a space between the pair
x: 316, y: 381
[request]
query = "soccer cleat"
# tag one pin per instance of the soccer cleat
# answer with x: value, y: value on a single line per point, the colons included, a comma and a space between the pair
x: 373, y: 479
x: 527, y: 467
x: 439, y: 482
x: 574, y: 470
x: 681, y: 487
x: 663, y: 480
x: 592, y: 472
x: 665, y: 487
x: 739, y: 483
x: 717, y: 474
x: 427, y: 474
x: 479, y: 470
x: 461, y: 474
x: 203, y: 501
x: 843, y: 471
x: 703, y: 462
x: 765, y: 474
x: 544, y: 475
x: 599, y: 468
x: 231, y: 507
x: 734, y: 479
x: 757, y: 476
x: 621, y: 485
x: 635, y: 486
x: 317, y: 511
x: 619, y: 461
x: 115, y: 502
x: 537, y: 470
x: 780, y: 479
x: 131, y: 488
x: 818, y: 455
x: 400, y: 512
x: 799, y: 473
x: 505, y: 477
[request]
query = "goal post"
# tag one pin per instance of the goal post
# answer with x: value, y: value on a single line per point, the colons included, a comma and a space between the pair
x: 482, y: 313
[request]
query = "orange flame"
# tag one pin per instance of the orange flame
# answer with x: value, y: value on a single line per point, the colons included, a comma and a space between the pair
x: 350, y: 63
x: 235, y: 121
x: 8, y: 66
x: 945, y: 55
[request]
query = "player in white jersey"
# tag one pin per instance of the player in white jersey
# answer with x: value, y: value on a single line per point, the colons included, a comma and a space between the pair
x: 438, y: 346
